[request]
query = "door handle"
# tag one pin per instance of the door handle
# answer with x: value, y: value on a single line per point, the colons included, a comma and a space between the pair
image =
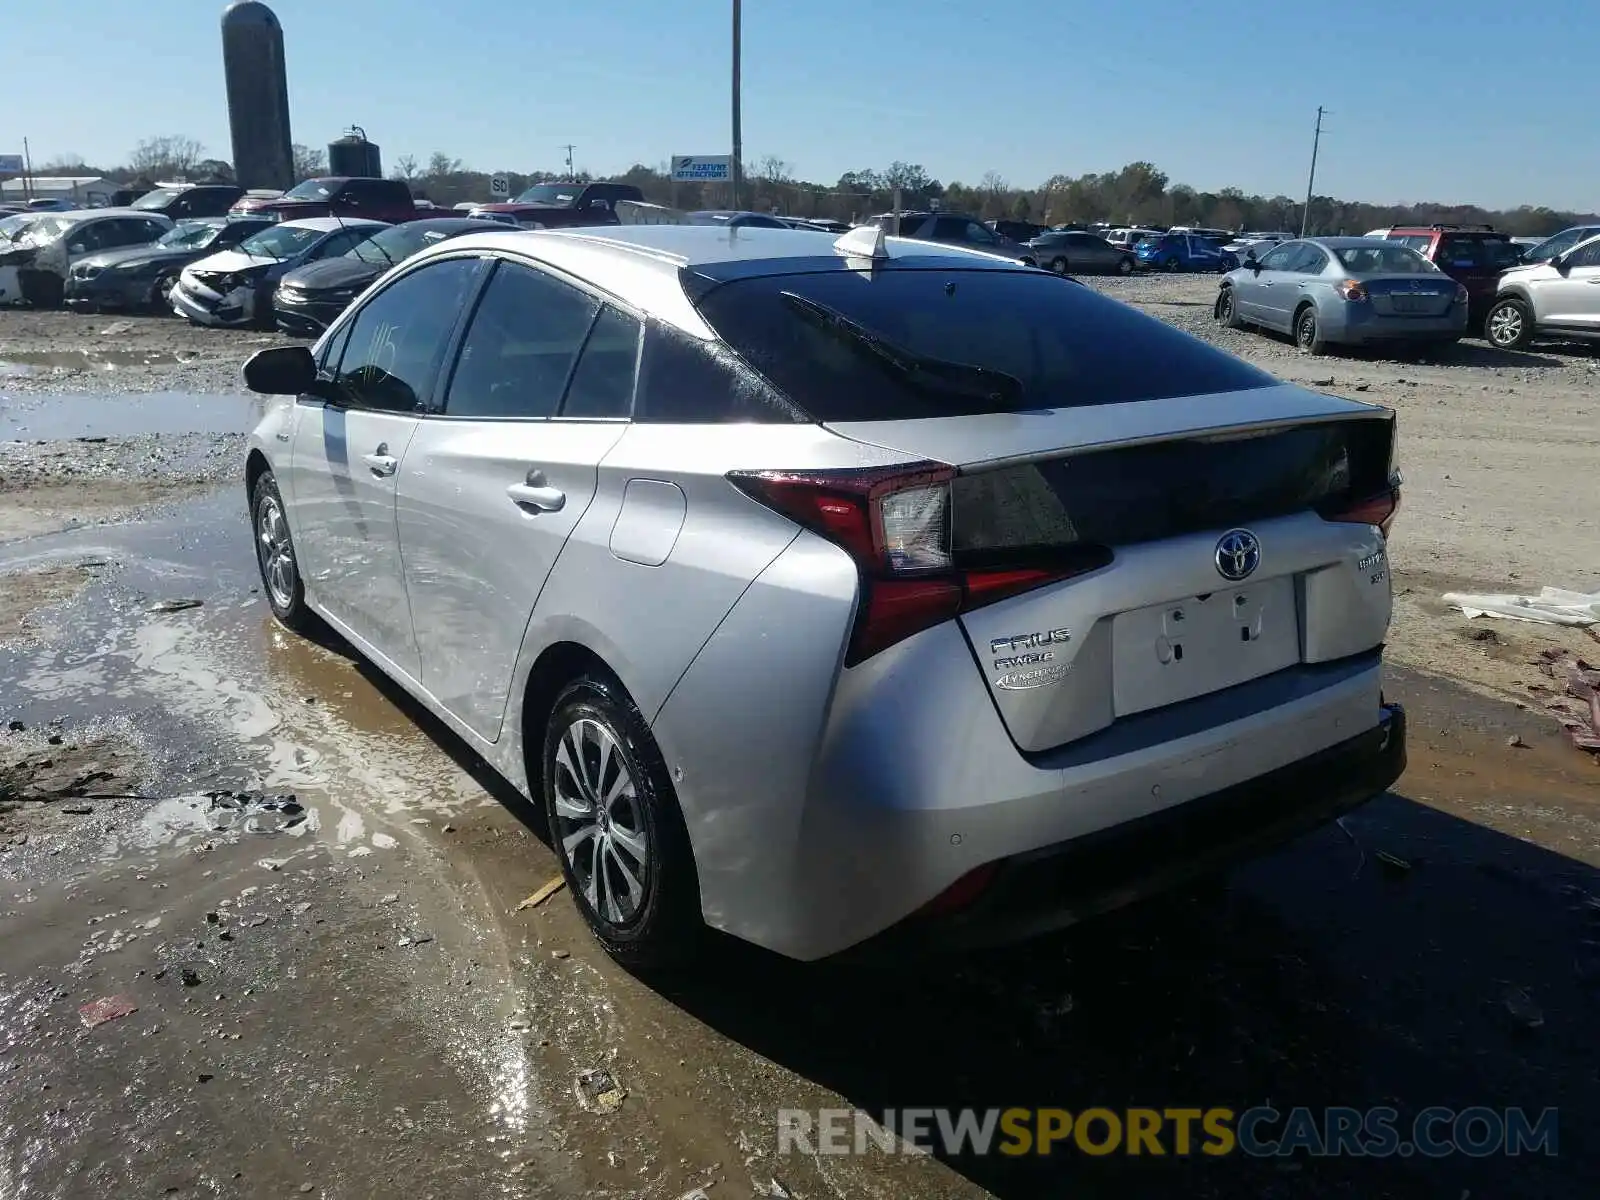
x: 537, y: 494
x: 381, y: 462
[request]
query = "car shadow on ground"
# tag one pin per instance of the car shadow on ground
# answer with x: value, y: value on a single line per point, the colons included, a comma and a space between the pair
x: 1461, y: 973
x: 1403, y: 958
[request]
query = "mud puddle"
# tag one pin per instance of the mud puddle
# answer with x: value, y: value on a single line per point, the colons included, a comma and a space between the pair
x: 60, y: 417
x: 18, y: 364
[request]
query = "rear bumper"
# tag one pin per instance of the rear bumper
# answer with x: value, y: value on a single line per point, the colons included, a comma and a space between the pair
x: 1365, y: 326
x: 1058, y: 886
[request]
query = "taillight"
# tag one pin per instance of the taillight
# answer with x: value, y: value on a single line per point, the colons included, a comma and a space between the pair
x: 1379, y: 510
x: 1352, y: 289
x: 1461, y: 293
x: 895, y: 523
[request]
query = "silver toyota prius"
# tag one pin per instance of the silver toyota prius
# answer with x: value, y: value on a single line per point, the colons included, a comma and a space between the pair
x: 842, y: 594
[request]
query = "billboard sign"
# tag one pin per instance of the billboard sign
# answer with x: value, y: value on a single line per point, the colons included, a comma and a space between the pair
x: 10, y: 164
x: 701, y: 168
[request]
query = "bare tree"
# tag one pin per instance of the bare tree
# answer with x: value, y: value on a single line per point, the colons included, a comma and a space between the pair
x: 309, y: 162
x: 406, y: 167
x: 994, y: 184
x: 70, y: 163
x: 775, y: 170
x: 441, y: 166
x: 173, y: 156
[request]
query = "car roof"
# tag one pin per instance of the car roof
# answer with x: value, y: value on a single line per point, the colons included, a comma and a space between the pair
x: 642, y: 263
x: 1341, y: 243
x: 329, y: 224
x: 85, y: 214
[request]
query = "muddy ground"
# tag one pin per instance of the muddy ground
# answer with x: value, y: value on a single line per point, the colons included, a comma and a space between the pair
x: 307, y: 891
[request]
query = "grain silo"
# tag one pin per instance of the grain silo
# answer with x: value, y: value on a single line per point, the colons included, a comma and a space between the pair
x: 258, y: 96
x: 354, y: 155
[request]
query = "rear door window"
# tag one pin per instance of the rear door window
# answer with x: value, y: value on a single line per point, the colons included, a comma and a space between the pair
x: 947, y: 342
x: 520, y: 348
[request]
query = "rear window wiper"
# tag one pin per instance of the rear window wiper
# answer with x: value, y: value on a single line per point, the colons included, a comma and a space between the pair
x: 933, y: 376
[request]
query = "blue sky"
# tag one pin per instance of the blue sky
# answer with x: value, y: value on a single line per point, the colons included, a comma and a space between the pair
x: 1478, y: 101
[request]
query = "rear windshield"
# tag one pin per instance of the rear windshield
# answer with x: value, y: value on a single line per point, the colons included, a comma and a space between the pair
x: 1382, y: 259
x: 1465, y: 251
x: 909, y: 343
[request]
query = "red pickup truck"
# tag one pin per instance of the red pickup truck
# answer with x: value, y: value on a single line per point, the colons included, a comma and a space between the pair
x: 559, y: 205
x: 337, y: 196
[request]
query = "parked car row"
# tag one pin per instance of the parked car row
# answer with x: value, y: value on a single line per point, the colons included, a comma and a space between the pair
x: 1419, y: 285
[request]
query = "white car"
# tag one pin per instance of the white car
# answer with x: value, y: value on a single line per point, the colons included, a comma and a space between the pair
x: 235, y: 287
x: 1555, y: 299
x: 41, y: 247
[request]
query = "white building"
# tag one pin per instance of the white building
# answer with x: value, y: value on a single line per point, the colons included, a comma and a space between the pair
x: 85, y: 191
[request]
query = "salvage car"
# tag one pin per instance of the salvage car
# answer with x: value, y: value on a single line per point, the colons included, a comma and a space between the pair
x: 353, y: 198
x: 837, y: 593
x: 559, y: 205
x: 1472, y: 255
x: 140, y: 277
x: 1184, y: 252
x: 952, y: 229
x: 1066, y: 252
x: 310, y: 297
x: 235, y: 287
x: 188, y: 201
x: 1347, y: 290
x: 44, y: 250
x: 1556, y: 298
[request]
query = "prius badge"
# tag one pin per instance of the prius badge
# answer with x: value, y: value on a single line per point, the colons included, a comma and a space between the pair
x: 1238, y: 554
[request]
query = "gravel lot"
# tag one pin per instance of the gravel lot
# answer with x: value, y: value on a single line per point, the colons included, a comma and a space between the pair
x: 1499, y: 451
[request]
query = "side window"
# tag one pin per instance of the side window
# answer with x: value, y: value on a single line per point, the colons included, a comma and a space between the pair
x: 1309, y: 261
x: 1586, y: 256
x: 92, y: 236
x: 1278, y: 257
x: 683, y: 380
x: 392, y: 353
x: 949, y: 229
x: 149, y: 230
x: 602, y: 384
x: 340, y: 242
x: 909, y: 226
x: 981, y: 236
x: 520, y: 348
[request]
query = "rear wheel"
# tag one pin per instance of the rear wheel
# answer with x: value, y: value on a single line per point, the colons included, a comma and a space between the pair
x: 616, y: 827
x: 1124, y: 266
x: 1308, y: 331
x: 1171, y: 264
x: 158, y: 294
x: 1509, y: 325
x: 1059, y: 266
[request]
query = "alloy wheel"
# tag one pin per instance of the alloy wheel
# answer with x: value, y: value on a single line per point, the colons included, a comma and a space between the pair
x: 1505, y: 325
x: 602, y: 831
x: 276, y: 552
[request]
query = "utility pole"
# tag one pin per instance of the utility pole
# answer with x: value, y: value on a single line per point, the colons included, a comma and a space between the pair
x: 27, y: 171
x: 569, y: 148
x: 736, y: 168
x: 1316, y: 140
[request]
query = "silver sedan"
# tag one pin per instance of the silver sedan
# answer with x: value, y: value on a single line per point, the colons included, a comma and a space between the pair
x: 1346, y: 290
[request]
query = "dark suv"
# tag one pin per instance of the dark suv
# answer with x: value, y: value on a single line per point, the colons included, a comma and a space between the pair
x: 953, y: 229
x: 337, y: 196
x: 1472, y: 255
x: 191, y: 201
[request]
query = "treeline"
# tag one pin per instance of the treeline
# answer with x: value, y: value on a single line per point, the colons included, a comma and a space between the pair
x: 1138, y: 193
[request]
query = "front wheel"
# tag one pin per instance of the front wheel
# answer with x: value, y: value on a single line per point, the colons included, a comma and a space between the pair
x: 1172, y: 264
x: 1509, y: 325
x: 616, y: 827
x: 1125, y: 266
x: 1308, y: 332
x: 275, y: 557
x: 1224, y: 311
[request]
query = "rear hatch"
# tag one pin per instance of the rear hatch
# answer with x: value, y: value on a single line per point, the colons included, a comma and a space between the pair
x: 1146, y: 510
x: 1174, y: 517
x: 1476, y: 260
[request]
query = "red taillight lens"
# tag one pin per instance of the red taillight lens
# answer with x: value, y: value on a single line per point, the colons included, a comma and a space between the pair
x: 895, y: 523
x: 962, y: 893
x: 1462, y: 296
x: 1352, y: 289
x: 1379, y: 510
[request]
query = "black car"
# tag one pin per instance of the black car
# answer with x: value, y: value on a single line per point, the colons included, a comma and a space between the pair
x: 956, y: 230
x: 310, y: 297
x: 191, y: 200
x: 139, y: 277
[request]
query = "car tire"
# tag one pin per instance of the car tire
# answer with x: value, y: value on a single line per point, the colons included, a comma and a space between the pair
x: 1171, y: 264
x: 158, y: 294
x: 1058, y: 265
x: 1224, y: 311
x: 275, y: 557
x: 1308, y: 331
x: 1125, y: 266
x: 640, y: 844
x: 1509, y: 324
